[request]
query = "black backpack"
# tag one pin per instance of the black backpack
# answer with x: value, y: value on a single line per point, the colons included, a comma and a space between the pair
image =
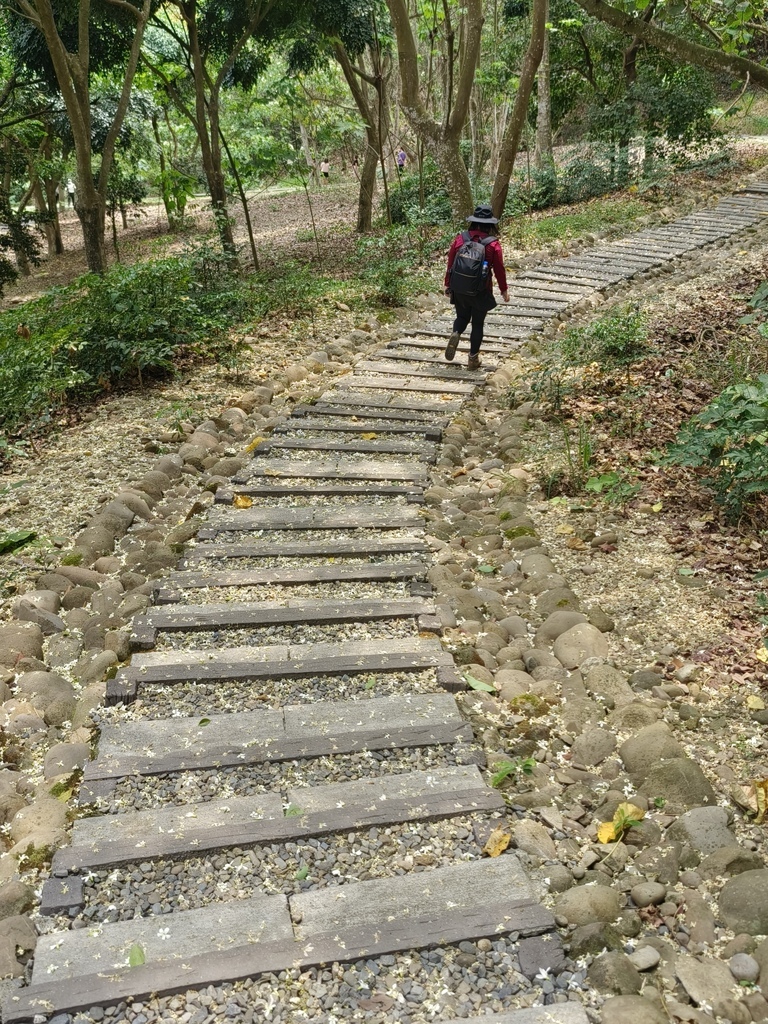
x: 469, y: 273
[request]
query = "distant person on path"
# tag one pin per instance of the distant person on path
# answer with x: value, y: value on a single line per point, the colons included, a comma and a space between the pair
x: 474, y: 258
x: 325, y: 169
x: 356, y: 169
x: 402, y: 157
x: 70, y: 192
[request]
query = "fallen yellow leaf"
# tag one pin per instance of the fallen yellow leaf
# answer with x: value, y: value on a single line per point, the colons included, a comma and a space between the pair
x: 755, y: 703
x: 625, y: 816
x: 242, y: 501
x: 497, y: 843
x: 575, y: 543
x: 606, y: 832
x: 753, y: 798
x: 565, y: 530
x: 370, y: 436
x: 254, y: 444
x: 629, y: 812
x: 762, y: 653
x: 658, y: 506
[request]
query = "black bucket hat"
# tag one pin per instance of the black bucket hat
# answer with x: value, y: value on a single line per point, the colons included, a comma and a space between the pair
x: 483, y: 215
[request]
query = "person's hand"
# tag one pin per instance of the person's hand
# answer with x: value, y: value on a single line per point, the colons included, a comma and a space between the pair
x: 505, y: 296
x: 448, y: 292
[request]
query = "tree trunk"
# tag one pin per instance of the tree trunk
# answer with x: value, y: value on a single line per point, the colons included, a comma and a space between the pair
x: 91, y: 211
x: 307, y: 151
x: 362, y: 87
x: 543, y: 155
x: 52, y: 206
x: 367, y: 184
x: 447, y: 155
x: 516, y: 123
x: 72, y: 71
x: 441, y: 136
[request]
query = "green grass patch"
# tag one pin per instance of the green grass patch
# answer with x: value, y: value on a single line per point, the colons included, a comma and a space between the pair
x: 530, y: 233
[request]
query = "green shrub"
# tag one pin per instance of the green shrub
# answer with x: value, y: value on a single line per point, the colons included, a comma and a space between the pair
x: 405, y: 198
x: 616, y: 339
x: 729, y: 440
x: 535, y: 192
x: 390, y: 262
x: 583, y: 179
x: 131, y: 322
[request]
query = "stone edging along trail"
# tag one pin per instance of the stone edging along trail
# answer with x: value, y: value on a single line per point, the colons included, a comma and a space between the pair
x: 285, y: 784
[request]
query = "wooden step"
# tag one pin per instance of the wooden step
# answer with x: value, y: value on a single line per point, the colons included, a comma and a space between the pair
x: 556, y: 1013
x: 385, y: 383
x: 328, y: 517
x: 172, y: 618
x: 280, y: 661
x: 303, y: 812
x: 318, y: 422
x: 169, y: 589
x: 332, y: 469
x: 234, y: 941
x: 410, y: 403
x: 322, y: 729
x: 359, y: 447
x: 372, y: 545
x: 425, y: 419
x: 365, y: 489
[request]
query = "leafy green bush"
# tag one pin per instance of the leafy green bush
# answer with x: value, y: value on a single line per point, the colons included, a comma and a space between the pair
x: 405, y: 198
x: 537, y: 192
x: 729, y: 440
x: 616, y: 339
x: 583, y: 179
x: 385, y: 265
x: 99, y: 330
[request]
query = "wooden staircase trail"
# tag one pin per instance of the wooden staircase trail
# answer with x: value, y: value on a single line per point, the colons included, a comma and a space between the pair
x: 343, y: 659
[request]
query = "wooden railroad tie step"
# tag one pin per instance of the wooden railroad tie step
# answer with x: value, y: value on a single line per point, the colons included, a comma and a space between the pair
x: 321, y: 422
x: 443, y: 330
x: 323, y: 729
x: 335, y: 469
x: 373, y: 545
x: 193, y: 830
x: 168, y: 590
x: 234, y: 941
x: 434, y: 345
x: 278, y: 661
x: 443, y: 406
x: 230, y: 615
x: 282, y: 443
x: 328, y: 517
x: 440, y: 371
x: 417, y: 418
x: 413, y: 494
x: 387, y: 383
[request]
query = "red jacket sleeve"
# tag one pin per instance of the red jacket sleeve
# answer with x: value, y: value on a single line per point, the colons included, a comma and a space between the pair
x: 455, y: 246
x: 496, y: 260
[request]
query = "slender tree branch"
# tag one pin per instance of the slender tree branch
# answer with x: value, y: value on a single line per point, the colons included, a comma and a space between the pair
x: 676, y: 46
x: 108, y: 152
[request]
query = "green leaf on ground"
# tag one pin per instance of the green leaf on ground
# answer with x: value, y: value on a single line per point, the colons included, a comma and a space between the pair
x: 15, y: 539
x: 478, y: 684
x: 136, y: 956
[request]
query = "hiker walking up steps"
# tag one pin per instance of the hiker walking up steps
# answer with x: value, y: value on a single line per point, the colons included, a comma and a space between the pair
x: 474, y: 258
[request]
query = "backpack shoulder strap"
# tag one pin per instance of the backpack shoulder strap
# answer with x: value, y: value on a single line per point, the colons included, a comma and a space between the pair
x: 488, y: 240
x: 466, y: 237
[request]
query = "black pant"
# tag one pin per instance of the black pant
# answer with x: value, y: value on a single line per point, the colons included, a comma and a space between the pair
x: 476, y: 310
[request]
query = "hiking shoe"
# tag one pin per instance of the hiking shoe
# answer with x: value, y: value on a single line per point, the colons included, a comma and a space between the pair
x: 453, y: 344
x: 473, y: 363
